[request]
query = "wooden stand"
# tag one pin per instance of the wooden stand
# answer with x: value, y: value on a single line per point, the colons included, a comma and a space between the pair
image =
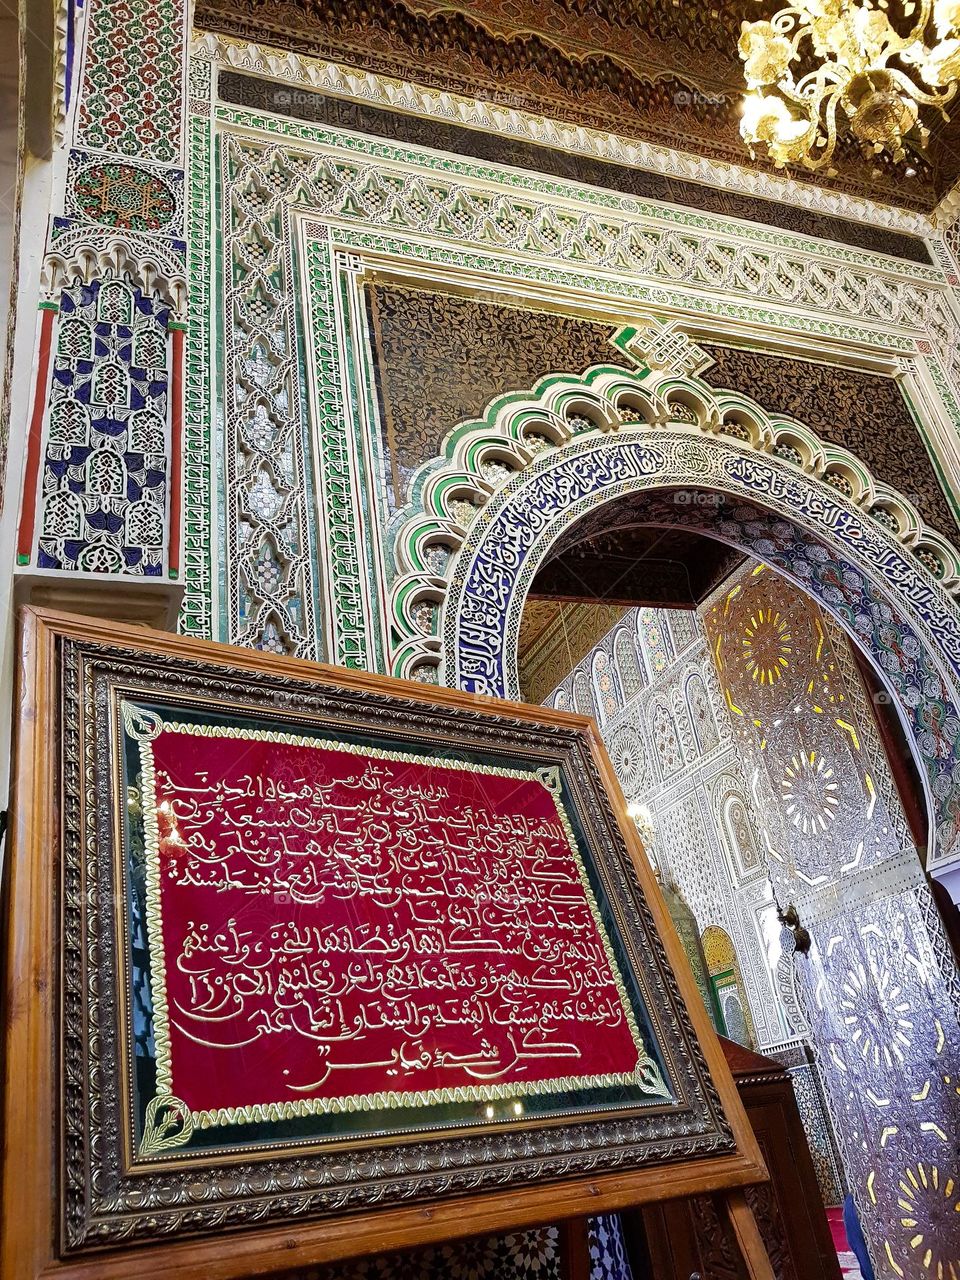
x: 747, y: 1234
x: 683, y: 1236
x: 575, y: 1249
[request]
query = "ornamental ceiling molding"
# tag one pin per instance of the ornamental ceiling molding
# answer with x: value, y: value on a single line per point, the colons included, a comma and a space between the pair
x: 472, y: 202
x: 398, y: 95
x: 947, y: 211
x: 85, y: 254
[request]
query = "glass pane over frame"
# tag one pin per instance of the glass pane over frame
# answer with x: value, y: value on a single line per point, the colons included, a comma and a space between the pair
x: 332, y: 936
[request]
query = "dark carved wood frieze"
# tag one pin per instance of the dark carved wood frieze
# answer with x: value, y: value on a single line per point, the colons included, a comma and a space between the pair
x: 668, y: 74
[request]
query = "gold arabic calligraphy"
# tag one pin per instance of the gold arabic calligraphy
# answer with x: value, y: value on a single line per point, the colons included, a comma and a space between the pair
x: 343, y: 927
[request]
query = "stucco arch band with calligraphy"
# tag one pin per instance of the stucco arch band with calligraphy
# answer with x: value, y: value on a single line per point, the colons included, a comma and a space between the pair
x: 484, y: 516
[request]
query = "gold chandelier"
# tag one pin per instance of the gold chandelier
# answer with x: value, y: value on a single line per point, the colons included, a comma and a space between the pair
x: 817, y: 59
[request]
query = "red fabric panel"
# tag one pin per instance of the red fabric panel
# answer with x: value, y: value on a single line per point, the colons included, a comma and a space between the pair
x: 336, y: 925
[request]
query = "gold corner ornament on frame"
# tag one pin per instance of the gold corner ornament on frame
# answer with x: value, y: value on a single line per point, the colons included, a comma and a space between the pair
x: 303, y: 963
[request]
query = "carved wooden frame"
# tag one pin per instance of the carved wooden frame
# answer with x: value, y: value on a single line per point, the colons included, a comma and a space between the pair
x: 74, y: 1204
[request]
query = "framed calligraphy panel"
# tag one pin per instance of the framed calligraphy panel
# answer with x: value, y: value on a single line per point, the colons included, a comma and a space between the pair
x: 330, y: 963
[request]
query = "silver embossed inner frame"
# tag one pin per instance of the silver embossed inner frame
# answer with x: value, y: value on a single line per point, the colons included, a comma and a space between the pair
x: 108, y: 1197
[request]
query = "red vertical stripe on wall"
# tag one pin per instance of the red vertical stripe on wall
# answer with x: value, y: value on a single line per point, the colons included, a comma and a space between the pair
x: 28, y: 508
x: 176, y: 453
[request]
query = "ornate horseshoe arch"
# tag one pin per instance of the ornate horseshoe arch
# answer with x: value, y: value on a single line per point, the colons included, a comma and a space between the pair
x: 484, y: 516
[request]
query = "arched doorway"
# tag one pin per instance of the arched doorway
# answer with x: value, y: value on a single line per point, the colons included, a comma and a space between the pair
x: 616, y: 449
x: 723, y: 969
x: 485, y: 515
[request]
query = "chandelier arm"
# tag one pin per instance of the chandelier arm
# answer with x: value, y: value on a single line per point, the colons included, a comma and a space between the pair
x: 802, y: 100
x: 928, y: 99
x: 795, y: 26
x: 825, y: 156
x: 791, y: 21
x: 827, y: 72
x: 923, y: 21
x: 825, y: 79
x: 913, y: 82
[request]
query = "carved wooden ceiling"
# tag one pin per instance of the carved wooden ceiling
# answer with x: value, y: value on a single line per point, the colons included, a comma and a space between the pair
x: 666, y: 71
x: 612, y: 557
x: 610, y: 561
